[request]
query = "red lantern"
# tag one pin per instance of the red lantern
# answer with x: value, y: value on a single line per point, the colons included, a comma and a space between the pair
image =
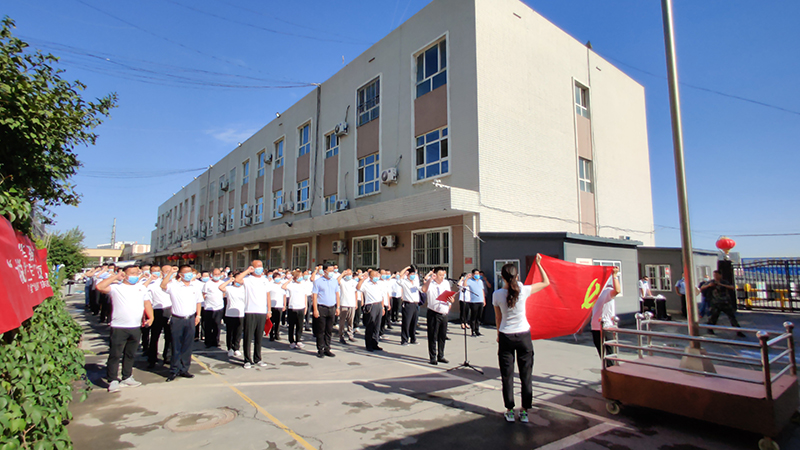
x: 725, y: 244
x: 192, y: 255
x: 169, y: 258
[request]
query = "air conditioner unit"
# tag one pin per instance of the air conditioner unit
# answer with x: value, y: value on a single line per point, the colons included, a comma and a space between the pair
x: 338, y: 247
x: 389, y: 241
x: 223, y: 185
x: 341, y: 129
x: 248, y: 220
x: 341, y: 205
x: 248, y: 212
x: 389, y: 176
x: 286, y: 208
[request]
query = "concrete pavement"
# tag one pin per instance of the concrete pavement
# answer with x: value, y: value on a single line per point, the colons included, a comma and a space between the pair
x: 386, y: 400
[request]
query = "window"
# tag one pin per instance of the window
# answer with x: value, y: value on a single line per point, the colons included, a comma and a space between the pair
x: 300, y: 256
x: 365, y: 253
x: 246, y: 172
x: 231, y: 218
x: 581, y: 101
x: 433, y: 154
x: 221, y: 185
x: 585, y: 175
x: 369, y: 99
x: 430, y: 249
x: 192, y: 210
x: 222, y: 222
x: 660, y: 276
x: 243, y: 215
x: 241, y: 260
x: 702, y: 272
x: 330, y: 204
x: 259, y: 209
x: 368, y: 175
x: 302, y: 196
x: 331, y: 145
x: 432, y: 68
x: 200, y: 228
x: 210, y: 229
x: 498, y: 269
x: 277, y: 202
x: 275, y: 257
x: 617, y: 264
x: 261, y: 163
x: 232, y: 178
x: 304, y: 139
x: 279, y: 154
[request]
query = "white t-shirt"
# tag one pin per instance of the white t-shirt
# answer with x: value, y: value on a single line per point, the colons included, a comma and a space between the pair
x: 373, y: 293
x: 158, y: 297
x: 297, y: 295
x: 347, y: 293
x: 308, y: 286
x: 235, y: 301
x: 387, y: 287
x: 513, y: 320
x: 434, y: 291
x: 604, y: 308
x: 397, y: 291
x: 277, y: 296
x: 213, y: 295
x: 128, y: 305
x: 410, y: 290
x: 644, y: 286
x: 255, y: 294
x: 184, y: 298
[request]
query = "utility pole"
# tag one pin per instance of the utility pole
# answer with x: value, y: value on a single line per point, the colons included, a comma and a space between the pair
x: 114, y: 234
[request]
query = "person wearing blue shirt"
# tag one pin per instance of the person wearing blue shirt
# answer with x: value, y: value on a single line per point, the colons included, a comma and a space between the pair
x: 475, y: 300
x: 325, y: 299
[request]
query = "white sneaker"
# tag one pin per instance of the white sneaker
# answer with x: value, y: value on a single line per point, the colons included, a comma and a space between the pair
x: 237, y: 353
x: 129, y: 382
x: 523, y: 416
x: 113, y: 386
x: 247, y: 365
x: 509, y: 415
x: 300, y: 345
x: 230, y: 353
x: 292, y: 346
x: 262, y: 364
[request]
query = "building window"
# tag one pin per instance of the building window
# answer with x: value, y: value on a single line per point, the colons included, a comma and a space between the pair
x: 259, y: 209
x: 365, y: 253
x: 433, y: 154
x: 222, y: 222
x: 277, y: 202
x: 232, y: 178
x: 192, y: 210
x: 331, y: 145
x: 432, y: 68
x: 244, y: 212
x: 581, y: 101
x: 660, y: 276
x: 330, y: 204
x: 302, y: 196
x: 702, y: 272
x: 499, y: 283
x: 608, y: 263
x: 241, y: 260
x: 275, y: 257
x: 368, y: 175
x: 305, y: 140
x: 300, y: 256
x: 231, y: 218
x: 210, y: 229
x: 261, y: 163
x: 246, y: 172
x: 430, y: 249
x: 279, y: 154
x: 585, y: 175
x: 369, y: 99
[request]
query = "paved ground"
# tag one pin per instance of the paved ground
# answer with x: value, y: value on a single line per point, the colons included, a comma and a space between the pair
x: 386, y: 400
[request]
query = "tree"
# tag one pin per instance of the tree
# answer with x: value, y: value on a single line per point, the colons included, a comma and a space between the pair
x: 42, y: 119
x: 67, y: 249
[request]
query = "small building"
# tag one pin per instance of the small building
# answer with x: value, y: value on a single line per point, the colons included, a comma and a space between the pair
x: 664, y: 267
x: 98, y: 256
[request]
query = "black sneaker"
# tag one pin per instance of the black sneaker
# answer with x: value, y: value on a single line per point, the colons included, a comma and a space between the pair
x: 378, y: 349
x: 186, y: 375
x: 329, y: 354
x: 320, y: 355
x: 433, y: 362
x: 443, y: 360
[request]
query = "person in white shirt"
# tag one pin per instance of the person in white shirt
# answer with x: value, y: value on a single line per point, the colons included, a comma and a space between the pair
x: 603, y: 311
x: 144, y: 279
x: 474, y: 300
x: 162, y: 310
x: 187, y: 299
x: 309, y: 276
x: 386, y: 282
x: 277, y: 302
x: 293, y: 285
x: 374, y: 295
x: 409, y: 285
x: 396, y: 294
x: 644, y: 287
x: 514, y: 336
x: 234, y: 314
x: 437, y: 284
x: 213, y: 308
x: 256, y: 311
x: 130, y: 307
x: 348, y: 303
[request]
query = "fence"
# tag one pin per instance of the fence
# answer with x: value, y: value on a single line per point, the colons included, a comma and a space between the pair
x: 768, y: 284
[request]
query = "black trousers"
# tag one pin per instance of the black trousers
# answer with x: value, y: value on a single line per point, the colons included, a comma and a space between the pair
x: 437, y: 334
x: 253, y: 334
x: 211, y: 322
x: 357, y: 317
x: 385, y: 320
x: 145, y: 339
x: 123, y: 346
x: 275, y: 332
x: 474, y: 316
x: 94, y: 301
x: 295, y: 321
x: 396, y: 306
x: 372, y: 321
x: 518, y: 344
x: 233, y: 332
x: 463, y: 312
x: 323, y: 327
x: 407, y: 332
x: 182, y: 341
x: 105, y: 308
x: 160, y: 323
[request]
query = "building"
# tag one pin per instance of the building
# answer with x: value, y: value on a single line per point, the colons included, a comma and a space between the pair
x: 131, y: 252
x: 98, y: 256
x: 474, y: 121
x: 118, y: 245
x: 664, y: 267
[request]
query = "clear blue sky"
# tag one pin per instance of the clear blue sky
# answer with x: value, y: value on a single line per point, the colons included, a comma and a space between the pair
x: 171, y: 60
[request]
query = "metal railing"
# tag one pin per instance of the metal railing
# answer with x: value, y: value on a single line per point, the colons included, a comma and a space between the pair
x: 768, y: 284
x: 767, y: 340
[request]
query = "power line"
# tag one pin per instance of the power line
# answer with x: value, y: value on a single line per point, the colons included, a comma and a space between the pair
x: 136, y: 175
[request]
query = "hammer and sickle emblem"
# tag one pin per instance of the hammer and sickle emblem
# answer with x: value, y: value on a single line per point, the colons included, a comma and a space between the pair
x: 591, y: 294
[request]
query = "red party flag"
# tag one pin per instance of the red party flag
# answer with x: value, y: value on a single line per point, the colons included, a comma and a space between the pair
x: 563, y: 307
x: 268, y: 325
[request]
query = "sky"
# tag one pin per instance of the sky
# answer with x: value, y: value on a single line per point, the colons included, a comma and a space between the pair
x: 194, y: 78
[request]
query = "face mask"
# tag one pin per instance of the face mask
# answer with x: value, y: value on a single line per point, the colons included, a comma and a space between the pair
x: 204, y: 279
x: 278, y: 280
x: 157, y: 274
x: 328, y: 275
x: 412, y: 277
x: 215, y: 278
x: 146, y: 273
x: 259, y: 270
x: 477, y: 277
x: 306, y: 277
x: 133, y: 280
x: 188, y: 276
x: 375, y: 279
x: 237, y: 284
x: 348, y: 278
x: 385, y: 277
x: 335, y: 270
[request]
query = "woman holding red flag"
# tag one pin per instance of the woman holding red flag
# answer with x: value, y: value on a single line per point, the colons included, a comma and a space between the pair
x: 514, y: 336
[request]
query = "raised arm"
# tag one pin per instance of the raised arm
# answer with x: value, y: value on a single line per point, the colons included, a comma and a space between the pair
x: 105, y: 285
x: 536, y: 287
x: 222, y: 287
x: 240, y: 278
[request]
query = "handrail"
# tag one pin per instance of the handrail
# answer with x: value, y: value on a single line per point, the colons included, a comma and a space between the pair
x: 780, y: 355
x: 752, y: 362
x: 681, y: 369
x: 710, y: 327
x: 778, y: 375
x: 682, y: 337
x: 774, y: 341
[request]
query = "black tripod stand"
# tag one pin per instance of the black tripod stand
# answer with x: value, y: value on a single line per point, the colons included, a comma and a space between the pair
x: 466, y: 357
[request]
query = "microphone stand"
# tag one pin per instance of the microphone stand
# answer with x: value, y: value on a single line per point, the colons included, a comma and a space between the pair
x: 466, y: 363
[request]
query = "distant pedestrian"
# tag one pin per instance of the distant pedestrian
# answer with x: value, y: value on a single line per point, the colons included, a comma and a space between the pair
x: 162, y: 311
x: 187, y: 299
x: 256, y: 311
x: 719, y: 292
x: 680, y: 289
x: 409, y: 283
x: 296, y: 305
x: 475, y: 300
x: 348, y: 303
x: 604, y: 309
x: 213, y: 308
x: 437, y: 284
x: 234, y: 315
x: 374, y: 296
x: 326, y: 301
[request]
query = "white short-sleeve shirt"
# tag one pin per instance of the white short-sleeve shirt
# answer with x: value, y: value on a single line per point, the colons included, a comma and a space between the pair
x: 410, y: 290
x: 255, y: 294
x: 277, y: 296
x: 373, y: 292
x: 184, y: 297
x: 213, y: 295
x: 347, y: 293
x: 235, y: 301
x: 434, y: 291
x: 297, y: 295
x: 128, y: 305
x: 514, y: 320
x: 158, y: 297
x: 604, y: 308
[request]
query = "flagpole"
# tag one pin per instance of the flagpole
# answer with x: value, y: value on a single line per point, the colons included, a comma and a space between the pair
x: 680, y: 170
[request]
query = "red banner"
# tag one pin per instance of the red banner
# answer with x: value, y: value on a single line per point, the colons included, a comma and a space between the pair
x: 563, y: 307
x: 24, y: 278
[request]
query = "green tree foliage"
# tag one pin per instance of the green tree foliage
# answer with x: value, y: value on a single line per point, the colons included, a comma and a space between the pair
x: 43, y: 118
x: 67, y: 249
